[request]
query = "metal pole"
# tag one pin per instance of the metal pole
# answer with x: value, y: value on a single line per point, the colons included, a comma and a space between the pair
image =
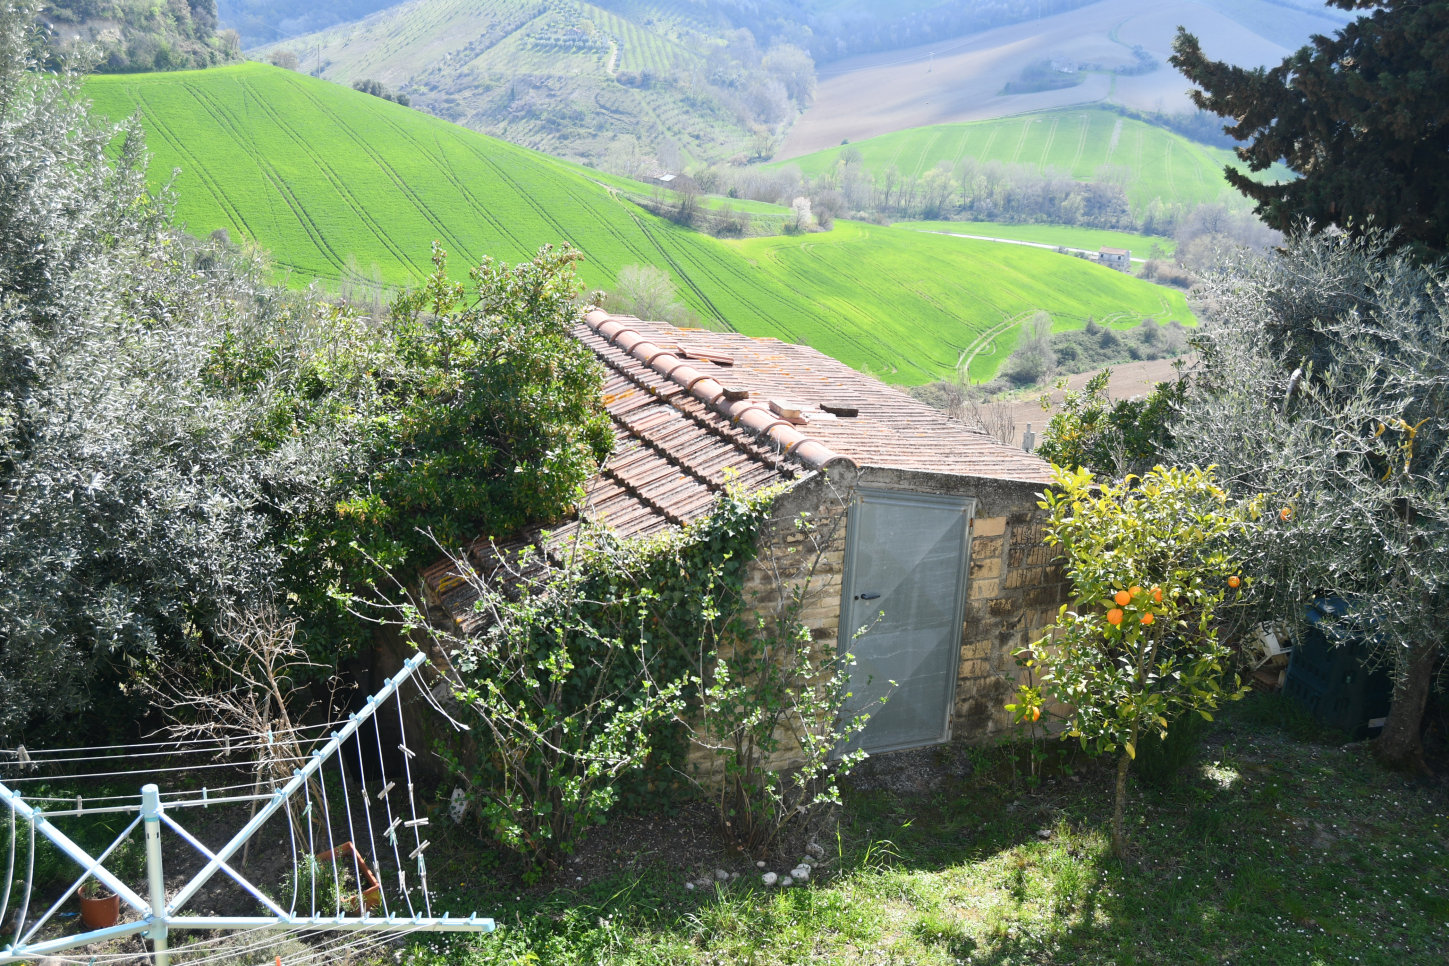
x: 77, y: 854
x: 151, y: 813
x: 299, y: 777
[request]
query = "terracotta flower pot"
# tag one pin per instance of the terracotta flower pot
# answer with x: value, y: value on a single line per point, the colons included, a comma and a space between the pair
x: 100, y: 912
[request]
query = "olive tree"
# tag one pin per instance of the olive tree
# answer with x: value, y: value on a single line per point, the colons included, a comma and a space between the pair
x: 1324, y: 384
x: 181, y: 440
x: 134, y: 506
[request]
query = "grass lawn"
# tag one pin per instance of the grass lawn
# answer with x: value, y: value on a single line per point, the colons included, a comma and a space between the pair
x: 1275, y: 845
x: 1067, y: 236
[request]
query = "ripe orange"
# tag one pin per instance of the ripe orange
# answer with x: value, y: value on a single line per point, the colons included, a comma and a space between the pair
x: 1036, y: 714
x: 1114, y: 616
x: 1147, y: 618
x: 1122, y: 598
x: 1234, y: 581
x: 1157, y: 595
x: 1134, y: 590
x: 1285, y: 513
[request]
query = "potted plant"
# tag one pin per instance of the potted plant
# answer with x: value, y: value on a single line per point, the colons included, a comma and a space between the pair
x: 100, y: 908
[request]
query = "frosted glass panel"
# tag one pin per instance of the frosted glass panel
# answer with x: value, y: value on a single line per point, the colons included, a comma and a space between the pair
x: 906, y: 578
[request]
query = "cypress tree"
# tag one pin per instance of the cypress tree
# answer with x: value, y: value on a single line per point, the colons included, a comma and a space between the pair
x: 1359, y: 117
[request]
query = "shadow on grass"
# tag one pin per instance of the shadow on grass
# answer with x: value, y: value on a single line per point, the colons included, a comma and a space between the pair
x: 1268, y: 849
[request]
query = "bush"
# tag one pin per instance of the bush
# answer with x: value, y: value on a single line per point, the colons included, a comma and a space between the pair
x: 769, y: 688
x: 1111, y: 438
x: 1161, y: 758
x: 582, y: 670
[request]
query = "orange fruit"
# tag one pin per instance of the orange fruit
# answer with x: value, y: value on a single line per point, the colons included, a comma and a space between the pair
x: 1134, y: 590
x: 1122, y: 598
x: 1234, y: 581
x: 1157, y: 595
x: 1147, y: 618
x: 1114, y: 616
x: 1284, y: 514
x: 1036, y: 714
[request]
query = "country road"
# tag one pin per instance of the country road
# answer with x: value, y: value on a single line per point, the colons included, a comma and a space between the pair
x: 1014, y: 241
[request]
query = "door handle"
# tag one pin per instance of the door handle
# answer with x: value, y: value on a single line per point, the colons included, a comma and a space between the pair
x: 871, y: 596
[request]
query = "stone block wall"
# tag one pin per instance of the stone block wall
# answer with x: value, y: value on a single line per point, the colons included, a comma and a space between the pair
x: 801, y: 550
x: 1015, y: 588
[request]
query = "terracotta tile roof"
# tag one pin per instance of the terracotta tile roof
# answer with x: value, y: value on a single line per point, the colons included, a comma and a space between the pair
x: 888, y: 428
x: 693, y: 409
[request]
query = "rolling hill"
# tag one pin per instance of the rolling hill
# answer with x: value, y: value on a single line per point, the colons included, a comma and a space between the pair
x: 1086, y: 144
x: 1096, y: 45
x: 573, y: 79
x: 334, y: 183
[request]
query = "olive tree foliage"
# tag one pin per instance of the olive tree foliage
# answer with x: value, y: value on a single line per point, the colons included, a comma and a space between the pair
x: 1324, y: 384
x: 134, y: 504
x: 180, y: 440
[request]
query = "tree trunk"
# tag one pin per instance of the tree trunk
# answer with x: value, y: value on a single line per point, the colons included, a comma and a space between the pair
x: 1119, y: 837
x: 1398, y: 746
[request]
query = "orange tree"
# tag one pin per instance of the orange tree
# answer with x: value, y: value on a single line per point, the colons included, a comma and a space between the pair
x: 1150, y: 561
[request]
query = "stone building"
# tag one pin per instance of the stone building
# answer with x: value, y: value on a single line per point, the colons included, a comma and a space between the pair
x: 923, y: 531
x: 1118, y: 258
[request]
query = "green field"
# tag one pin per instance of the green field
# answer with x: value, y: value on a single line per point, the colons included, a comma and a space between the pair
x: 1067, y: 236
x: 332, y: 181
x: 1086, y: 144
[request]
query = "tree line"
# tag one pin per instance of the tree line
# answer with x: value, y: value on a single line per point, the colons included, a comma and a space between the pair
x: 177, y: 35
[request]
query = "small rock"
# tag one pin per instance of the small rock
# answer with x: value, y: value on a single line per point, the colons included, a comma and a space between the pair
x: 721, y: 875
x: 759, y: 865
x: 689, y: 886
x: 734, y: 876
x: 787, y: 881
x: 815, y: 849
x: 704, y: 882
x: 806, y: 860
x: 769, y: 878
x: 801, y: 872
x: 1043, y: 833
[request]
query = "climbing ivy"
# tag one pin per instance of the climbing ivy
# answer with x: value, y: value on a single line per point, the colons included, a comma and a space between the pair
x: 586, y: 669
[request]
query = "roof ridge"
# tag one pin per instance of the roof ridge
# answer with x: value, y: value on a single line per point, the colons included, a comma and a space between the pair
x: 743, y: 413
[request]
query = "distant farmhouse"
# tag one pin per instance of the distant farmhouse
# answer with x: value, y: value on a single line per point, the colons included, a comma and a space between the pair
x: 936, y: 539
x: 1118, y: 258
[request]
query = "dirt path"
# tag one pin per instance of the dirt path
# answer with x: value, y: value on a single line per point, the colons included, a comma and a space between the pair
x: 1128, y: 380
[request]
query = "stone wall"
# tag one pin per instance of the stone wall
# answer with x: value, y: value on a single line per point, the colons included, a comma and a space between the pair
x: 1014, y: 585
x: 801, y: 551
x: 1014, y: 591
